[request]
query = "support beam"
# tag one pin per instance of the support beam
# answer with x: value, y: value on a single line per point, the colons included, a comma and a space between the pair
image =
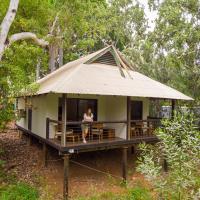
x: 128, y: 134
x: 165, y: 165
x: 133, y: 150
x: 47, y: 128
x: 124, y: 163
x: 64, y: 119
x: 44, y: 154
x: 30, y: 140
x: 173, y: 107
x: 66, y: 177
x: 30, y: 125
x: 29, y: 119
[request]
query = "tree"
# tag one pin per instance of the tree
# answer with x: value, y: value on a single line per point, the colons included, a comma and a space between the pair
x: 179, y: 145
x: 5, y: 27
x: 72, y: 29
x: 170, y: 53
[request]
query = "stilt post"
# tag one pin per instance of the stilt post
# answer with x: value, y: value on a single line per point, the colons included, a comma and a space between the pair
x: 124, y: 163
x: 44, y: 156
x: 66, y: 177
x: 165, y: 165
x: 133, y: 150
x: 30, y: 142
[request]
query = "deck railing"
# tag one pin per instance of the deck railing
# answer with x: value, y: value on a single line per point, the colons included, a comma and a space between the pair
x: 98, y: 130
x: 144, y: 128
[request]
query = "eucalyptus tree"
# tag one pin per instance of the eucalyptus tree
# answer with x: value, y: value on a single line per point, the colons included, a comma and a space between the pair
x: 171, y: 52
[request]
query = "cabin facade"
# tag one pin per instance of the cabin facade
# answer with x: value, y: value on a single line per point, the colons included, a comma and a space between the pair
x: 118, y: 95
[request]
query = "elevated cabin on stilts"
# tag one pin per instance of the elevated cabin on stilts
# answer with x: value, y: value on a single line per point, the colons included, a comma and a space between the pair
x: 118, y: 95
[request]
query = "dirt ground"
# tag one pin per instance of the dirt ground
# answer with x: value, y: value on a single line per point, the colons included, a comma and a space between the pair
x: 26, y: 163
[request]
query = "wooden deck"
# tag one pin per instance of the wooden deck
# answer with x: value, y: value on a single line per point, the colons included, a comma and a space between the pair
x: 94, y: 145
x: 91, y: 145
x: 89, y: 142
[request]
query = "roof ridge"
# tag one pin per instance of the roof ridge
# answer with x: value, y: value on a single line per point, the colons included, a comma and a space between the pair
x: 65, y: 66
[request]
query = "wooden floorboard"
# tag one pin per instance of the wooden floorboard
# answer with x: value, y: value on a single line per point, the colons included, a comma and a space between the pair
x: 94, y: 145
x: 103, y: 144
x: 89, y: 142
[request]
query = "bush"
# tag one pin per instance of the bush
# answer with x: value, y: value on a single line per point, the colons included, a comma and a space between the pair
x: 20, y: 191
x: 179, y: 146
x: 137, y: 193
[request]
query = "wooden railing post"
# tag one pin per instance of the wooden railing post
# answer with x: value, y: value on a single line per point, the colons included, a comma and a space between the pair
x: 128, y: 135
x: 47, y: 128
x: 64, y: 119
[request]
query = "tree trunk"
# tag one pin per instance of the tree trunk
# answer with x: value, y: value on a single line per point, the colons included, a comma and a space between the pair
x: 52, y: 57
x: 38, y: 69
x: 6, y: 24
x: 60, y: 51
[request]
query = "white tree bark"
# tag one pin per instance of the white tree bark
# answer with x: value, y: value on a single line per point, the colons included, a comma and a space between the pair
x: 38, y: 69
x: 5, y: 27
x: 6, y: 23
x: 5, y: 42
x: 27, y: 35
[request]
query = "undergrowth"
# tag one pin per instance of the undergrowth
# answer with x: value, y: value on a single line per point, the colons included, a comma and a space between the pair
x: 137, y: 193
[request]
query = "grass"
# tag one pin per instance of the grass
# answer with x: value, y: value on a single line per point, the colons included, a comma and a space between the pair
x: 137, y: 193
x: 10, y: 189
x: 20, y: 191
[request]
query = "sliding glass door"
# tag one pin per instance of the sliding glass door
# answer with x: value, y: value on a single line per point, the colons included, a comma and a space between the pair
x: 77, y: 107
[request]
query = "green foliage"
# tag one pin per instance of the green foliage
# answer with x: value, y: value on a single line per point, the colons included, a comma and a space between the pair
x: 170, y: 53
x: 137, y: 193
x: 20, y: 191
x: 179, y: 145
x: 83, y: 24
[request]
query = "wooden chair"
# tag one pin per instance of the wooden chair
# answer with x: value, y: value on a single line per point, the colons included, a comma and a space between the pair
x: 70, y: 135
x: 58, y: 131
x: 135, y: 131
x: 151, y: 129
x: 97, y: 130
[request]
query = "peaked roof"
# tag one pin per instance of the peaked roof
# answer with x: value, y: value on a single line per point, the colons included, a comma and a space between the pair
x: 105, y: 72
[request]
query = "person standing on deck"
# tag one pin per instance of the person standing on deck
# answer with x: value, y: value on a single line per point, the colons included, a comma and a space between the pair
x: 87, y: 117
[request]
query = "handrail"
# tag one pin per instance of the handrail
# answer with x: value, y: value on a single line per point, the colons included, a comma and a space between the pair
x: 55, y: 121
x: 96, y: 122
x: 146, y: 120
x: 137, y: 132
x: 81, y: 122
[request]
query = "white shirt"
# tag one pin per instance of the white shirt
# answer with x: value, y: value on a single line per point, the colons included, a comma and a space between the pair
x: 88, y: 118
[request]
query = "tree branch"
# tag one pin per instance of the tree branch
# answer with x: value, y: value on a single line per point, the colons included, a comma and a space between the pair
x: 27, y: 35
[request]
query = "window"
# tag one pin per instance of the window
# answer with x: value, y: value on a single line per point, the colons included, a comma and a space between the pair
x: 136, y: 110
x: 77, y: 107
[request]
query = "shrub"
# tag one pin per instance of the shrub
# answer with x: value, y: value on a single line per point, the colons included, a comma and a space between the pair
x: 20, y: 191
x: 180, y: 146
x: 137, y: 193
